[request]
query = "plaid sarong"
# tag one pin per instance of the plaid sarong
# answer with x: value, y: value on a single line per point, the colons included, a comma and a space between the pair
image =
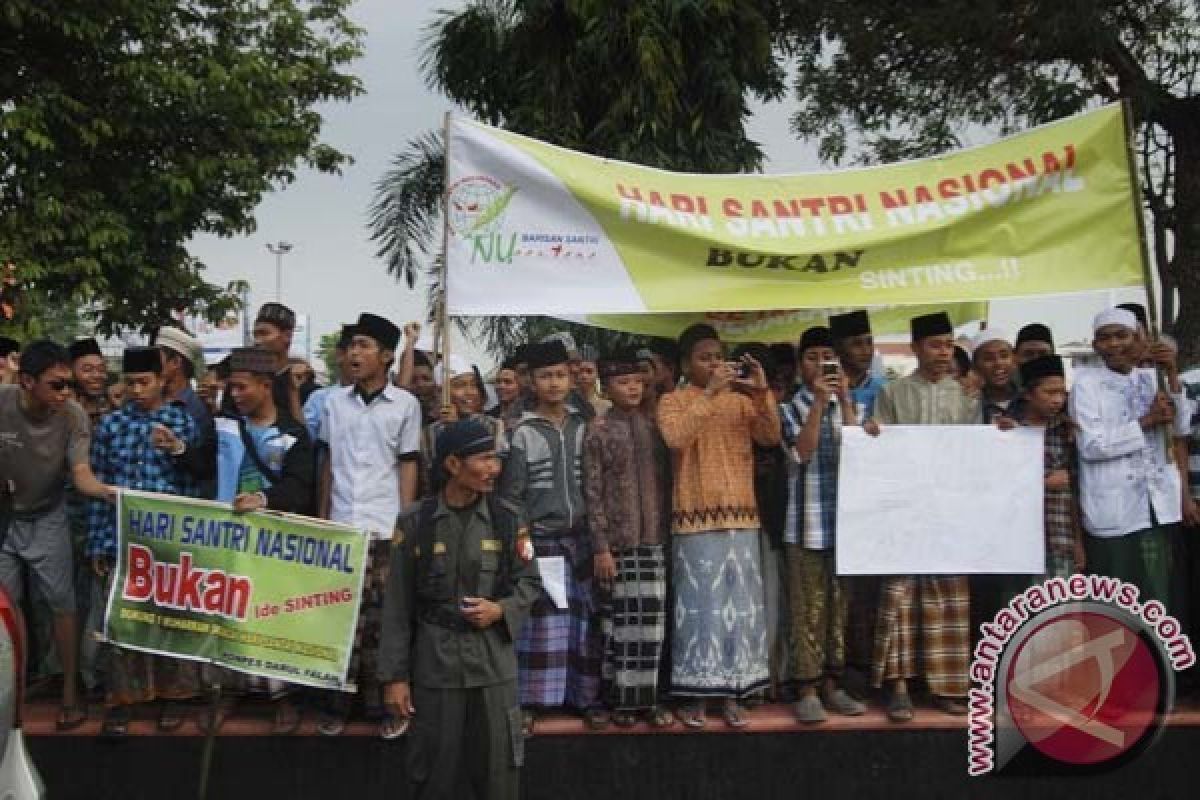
x: 559, y: 652
x: 942, y: 625
x: 634, y: 624
x: 364, y: 653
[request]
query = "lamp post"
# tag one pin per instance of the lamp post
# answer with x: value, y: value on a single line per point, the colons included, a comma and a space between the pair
x: 279, y: 249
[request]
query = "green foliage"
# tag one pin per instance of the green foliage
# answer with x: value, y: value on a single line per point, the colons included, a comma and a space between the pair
x: 658, y: 82
x: 327, y: 352
x: 129, y: 126
x: 880, y: 81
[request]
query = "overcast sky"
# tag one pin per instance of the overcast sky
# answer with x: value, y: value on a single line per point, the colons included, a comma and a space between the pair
x: 332, y: 273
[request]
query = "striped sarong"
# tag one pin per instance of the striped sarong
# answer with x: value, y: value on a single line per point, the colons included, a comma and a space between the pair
x: 634, y: 620
x: 719, y: 639
x: 560, y: 651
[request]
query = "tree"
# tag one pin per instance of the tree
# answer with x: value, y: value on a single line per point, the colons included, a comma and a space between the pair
x: 658, y: 82
x: 898, y: 80
x: 129, y: 126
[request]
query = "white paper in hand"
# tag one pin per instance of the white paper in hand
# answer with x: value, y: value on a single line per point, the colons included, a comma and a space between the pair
x: 554, y: 579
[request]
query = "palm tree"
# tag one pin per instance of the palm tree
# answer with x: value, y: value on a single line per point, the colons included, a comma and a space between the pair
x: 657, y: 82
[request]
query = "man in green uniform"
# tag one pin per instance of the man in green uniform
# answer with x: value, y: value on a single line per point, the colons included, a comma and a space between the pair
x: 461, y: 585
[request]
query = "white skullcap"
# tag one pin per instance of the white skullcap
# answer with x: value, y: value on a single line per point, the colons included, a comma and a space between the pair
x: 989, y: 335
x: 1115, y: 316
x: 458, y: 366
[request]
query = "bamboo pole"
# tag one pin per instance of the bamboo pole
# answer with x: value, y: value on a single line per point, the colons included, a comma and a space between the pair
x: 443, y: 320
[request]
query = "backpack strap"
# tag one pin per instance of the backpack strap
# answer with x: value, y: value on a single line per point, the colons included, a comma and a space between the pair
x: 252, y: 451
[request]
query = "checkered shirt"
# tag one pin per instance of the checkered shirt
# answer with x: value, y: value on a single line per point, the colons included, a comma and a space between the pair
x: 811, y: 518
x: 124, y: 455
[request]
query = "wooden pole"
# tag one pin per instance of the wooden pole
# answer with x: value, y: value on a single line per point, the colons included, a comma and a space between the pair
x: 443, y: 319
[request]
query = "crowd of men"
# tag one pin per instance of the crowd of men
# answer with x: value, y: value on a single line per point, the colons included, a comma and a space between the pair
x: 640, y: 537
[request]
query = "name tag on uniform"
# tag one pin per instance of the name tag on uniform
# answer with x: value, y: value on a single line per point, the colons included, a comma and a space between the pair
x: 439, y: 548
x: 490, y: 545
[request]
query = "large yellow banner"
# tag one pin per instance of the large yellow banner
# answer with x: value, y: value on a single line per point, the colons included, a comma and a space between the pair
x: 535, y: 228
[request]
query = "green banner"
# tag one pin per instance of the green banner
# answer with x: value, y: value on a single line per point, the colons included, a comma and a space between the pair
x: 778, y: 326
x: 538, y: 229
x: 268, y: 594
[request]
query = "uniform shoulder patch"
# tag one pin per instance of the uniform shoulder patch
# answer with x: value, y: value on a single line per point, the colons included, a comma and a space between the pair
x: 490, y: 545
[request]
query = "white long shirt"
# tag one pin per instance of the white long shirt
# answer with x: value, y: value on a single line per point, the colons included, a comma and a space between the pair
x: 1124, y: 471
x: 366, y: 445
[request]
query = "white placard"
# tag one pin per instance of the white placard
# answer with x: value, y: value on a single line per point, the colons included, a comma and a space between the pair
x: 554, y: 579
x: 941, y: 499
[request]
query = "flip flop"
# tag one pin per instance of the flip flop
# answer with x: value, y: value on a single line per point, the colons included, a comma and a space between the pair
x: 691, y: 715
x: 287, y: 718
x: 732, y: 714
x: 331, y: 724
x: 116, y: 723
x: 170, y: 717
x: 624, y: 719
x: 900, y: 708
x: 393, y: 727
x: 70, y: 717
x: 596, y: 719
x: 660, y: 717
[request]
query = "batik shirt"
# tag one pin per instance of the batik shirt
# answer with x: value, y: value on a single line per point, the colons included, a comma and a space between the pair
x: 124, y: 455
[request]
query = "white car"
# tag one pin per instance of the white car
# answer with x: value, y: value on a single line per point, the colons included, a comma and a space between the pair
x: 19, y: 779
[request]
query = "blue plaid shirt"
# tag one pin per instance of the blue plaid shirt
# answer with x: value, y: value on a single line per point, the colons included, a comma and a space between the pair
x: 124, y: 455
x: 812, y: 486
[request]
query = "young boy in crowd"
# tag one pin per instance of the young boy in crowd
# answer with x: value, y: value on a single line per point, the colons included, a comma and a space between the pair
x: 627, y: 485
x: 934, y: 607
x: 855, y: 346
x: 139, y: 446
x: 719, y: 645
x: 373, y: 434
x: 992, y: 359
x: 812, y: 426
x: 1044, y: 394
x: 560, y: 650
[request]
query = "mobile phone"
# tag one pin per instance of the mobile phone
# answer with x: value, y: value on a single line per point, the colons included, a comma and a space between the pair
x: 740, y: 368
x: 830, y: 369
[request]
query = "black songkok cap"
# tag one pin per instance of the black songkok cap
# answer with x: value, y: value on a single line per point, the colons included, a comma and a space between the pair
x: 8, y: 346
x: 84, y: 347
x: 465, y: 437
x: 1139, y: 311
x: 344, y: 337
x: 853, y: 323
x: 277, y: 314
x: 258, y: 360
x: 931, y: 325
x: 546, y: 354
x: 379, y: 329
x: 1041, y: 367
x: 818, y: 336
x: 141, y: 359
x: 1035, y: 332
x: 694, y: 335
x: 622, y: 362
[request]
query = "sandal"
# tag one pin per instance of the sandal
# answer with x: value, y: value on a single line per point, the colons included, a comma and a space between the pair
x: 170, y: 716
x: 596, y: 719
x: 393, y: 727
x: 528, y: 720
x: 731, y: 712
x: 624, y: 719
x: 331, y: 724
x: 900, y: 708
x: 692, y: 715
x: 953, y: 706
x: 660, y: 717
x: 116, y: 722
x: 287, y: 718
x: 70, y: 717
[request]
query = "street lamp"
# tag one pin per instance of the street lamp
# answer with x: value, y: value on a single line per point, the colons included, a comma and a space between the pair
x: 279, y: 249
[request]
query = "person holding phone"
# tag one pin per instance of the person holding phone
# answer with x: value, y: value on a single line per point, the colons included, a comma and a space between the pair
x: 812, y: 432
x: 719, y: 641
